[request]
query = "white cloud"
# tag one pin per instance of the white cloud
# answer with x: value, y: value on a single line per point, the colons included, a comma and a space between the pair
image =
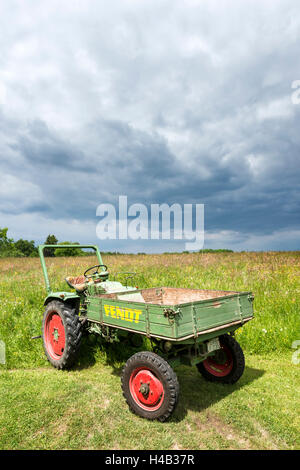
x: 17, y: 194
x: 37, y: 227
x: 279, y: 108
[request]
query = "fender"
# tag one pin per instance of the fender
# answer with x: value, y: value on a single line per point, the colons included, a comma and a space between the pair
x: 62, y: 296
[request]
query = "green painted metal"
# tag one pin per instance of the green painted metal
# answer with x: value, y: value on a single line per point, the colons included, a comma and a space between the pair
x: 65, y: 296
x: 42, y: 258
x: 203, y: 318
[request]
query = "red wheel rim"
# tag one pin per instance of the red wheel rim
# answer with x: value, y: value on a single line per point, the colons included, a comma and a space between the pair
x: 54, y: 335
x: 146, y: 389
x: 221, y: 364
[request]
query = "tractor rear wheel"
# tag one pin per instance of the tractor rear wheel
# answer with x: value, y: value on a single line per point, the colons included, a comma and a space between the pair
x: 150, y: 386
x: 226, y: 365
x: 62, y: 332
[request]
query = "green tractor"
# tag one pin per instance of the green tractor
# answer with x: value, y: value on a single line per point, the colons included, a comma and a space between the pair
x: 185, y: 326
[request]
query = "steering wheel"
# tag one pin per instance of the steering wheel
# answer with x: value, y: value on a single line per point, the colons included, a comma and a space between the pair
x: 96, y: 267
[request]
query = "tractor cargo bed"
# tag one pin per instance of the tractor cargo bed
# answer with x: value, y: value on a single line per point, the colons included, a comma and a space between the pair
x: 175, y: 314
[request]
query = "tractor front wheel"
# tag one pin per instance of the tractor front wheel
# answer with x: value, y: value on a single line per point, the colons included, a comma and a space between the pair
x: 62, y: 332
x: 226, y: 365
x: 150, y: 386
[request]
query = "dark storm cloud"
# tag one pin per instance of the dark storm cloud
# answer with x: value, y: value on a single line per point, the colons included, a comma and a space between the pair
x: 99, y: 101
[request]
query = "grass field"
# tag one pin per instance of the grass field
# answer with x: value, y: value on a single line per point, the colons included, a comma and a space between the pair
x: 42, y: 408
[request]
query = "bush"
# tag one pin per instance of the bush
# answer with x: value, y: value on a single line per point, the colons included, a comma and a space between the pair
x: 26, y: 247
x: 68, y: 251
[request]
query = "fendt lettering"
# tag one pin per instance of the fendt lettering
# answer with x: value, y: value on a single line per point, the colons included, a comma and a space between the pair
x: 127, y: 314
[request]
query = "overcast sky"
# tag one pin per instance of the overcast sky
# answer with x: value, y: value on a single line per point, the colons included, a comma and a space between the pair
x: 163, y: 101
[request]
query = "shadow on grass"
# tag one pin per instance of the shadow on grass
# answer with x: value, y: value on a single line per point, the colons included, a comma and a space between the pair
x: 88, y: 349
x: 113, y: 354
x: 197, y: 394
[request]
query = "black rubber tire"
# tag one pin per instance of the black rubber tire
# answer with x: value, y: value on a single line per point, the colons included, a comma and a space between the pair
x: 238, y: 363
x: 73, y: 333
x: 164, y: 372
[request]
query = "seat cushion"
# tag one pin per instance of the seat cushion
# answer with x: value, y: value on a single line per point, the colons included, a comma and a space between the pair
x: 78, y: 283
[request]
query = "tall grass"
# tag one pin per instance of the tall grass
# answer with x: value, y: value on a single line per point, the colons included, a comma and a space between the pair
x: 272, y: 276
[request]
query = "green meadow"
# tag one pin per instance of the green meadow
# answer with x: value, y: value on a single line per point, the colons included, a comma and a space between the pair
x: 41, y: 408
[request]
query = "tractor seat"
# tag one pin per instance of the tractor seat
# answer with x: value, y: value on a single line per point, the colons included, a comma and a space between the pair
x: 79, y: 283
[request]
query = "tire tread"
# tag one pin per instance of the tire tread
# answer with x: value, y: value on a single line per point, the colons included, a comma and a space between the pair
x: 73, y: 332
x: 238, y: 363
x: 148, y: 357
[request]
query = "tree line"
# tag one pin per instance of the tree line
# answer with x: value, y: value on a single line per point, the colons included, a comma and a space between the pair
x: 25, y: 248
